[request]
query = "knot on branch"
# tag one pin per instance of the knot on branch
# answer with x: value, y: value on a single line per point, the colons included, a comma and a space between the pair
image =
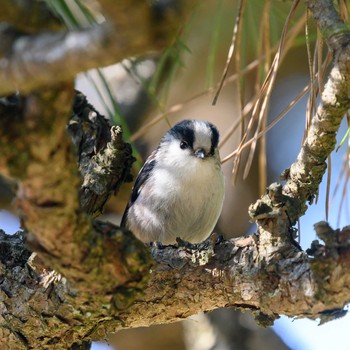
x: 272, y: 213
x: 105, y: 160
x: 335, y: 241
x: 339, y: 40
x: 272, y: 204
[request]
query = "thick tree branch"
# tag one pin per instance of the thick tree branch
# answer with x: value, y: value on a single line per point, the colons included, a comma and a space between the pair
x: 305, y: 175
x: 105, y: 160
x: 292, y: 284
x: 33, y: 143
x: 41, y: 309
x: 44, y: 59
x: 281, y: 207
x: 97, y: 260
x: 58, y: 229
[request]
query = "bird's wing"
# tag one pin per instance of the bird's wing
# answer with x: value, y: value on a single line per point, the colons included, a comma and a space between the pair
x: 140, y: 180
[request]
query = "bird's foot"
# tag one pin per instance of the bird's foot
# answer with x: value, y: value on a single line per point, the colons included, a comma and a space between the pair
x: 210, y: 242
x: 200, y: 253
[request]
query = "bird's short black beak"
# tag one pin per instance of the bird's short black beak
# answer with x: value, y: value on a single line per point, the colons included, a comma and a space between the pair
x: 200, y: 153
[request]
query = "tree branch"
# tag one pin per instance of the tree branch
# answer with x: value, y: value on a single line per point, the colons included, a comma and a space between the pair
x: 305, y: 175
x: 44, y: 59
x: 281, y: 207
x: 293, y: 284
x: 331, y: 26
x: 105, y: 160
x: 98, y: 260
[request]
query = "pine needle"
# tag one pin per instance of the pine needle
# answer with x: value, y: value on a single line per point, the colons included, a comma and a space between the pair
x: 312, y: 96
x: 246, y: 110
x: 236, y: 28
x: 249, y: 68
x: 343, y: 9
x: 265, y: 43
x: 267, y: 85
x: 346, y: 134
x: 344, y: 192
x: 214, y: 43
x: 319, y: 44
x: 328, y: 186
x: 180, y: 106
x: 270, y: 126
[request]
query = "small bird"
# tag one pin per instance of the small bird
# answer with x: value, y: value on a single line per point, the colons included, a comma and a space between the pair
x: 179, y: 191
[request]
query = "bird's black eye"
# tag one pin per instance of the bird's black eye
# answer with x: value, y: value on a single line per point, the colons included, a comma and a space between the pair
x: 184, y: 145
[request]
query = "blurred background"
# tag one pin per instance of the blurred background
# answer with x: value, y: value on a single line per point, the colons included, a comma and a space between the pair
x: 149, y: 93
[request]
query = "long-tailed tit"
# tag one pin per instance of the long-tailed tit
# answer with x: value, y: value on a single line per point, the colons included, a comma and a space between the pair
x: 179, y: 191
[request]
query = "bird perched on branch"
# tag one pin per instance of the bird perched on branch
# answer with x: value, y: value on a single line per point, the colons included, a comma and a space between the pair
x: 179, y: 191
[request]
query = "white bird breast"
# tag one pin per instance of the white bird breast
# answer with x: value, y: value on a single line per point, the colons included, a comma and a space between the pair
x: 183, y: 198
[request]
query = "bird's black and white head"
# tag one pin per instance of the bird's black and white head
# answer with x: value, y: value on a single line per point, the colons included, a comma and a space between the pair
x: 190, y: 141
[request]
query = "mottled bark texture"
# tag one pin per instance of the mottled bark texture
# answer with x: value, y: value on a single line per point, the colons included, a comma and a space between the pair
x: 42, y: 309
x: 70, y: 279
x: 105, y: 160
